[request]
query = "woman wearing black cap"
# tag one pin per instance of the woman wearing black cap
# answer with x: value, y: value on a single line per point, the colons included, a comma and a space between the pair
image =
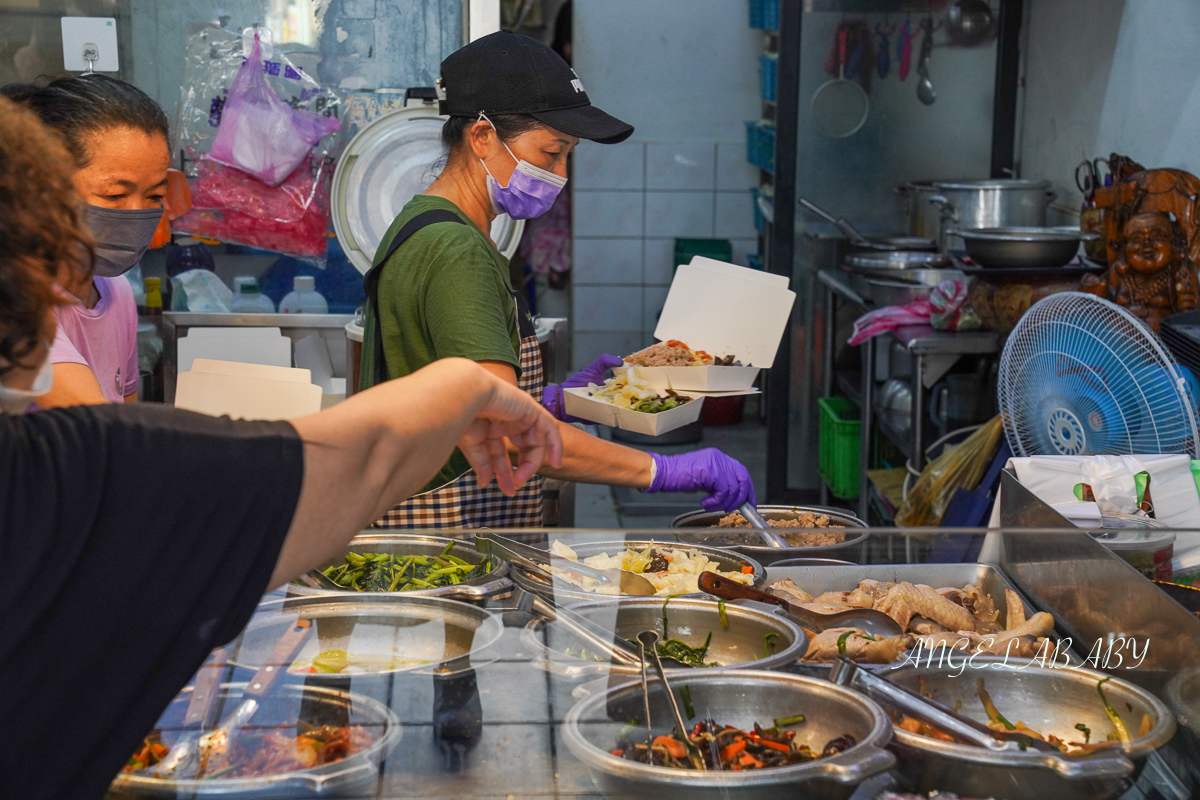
x: 439, y: 288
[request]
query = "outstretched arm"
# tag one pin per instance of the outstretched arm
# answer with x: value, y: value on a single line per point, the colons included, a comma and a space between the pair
x: 377, y: 448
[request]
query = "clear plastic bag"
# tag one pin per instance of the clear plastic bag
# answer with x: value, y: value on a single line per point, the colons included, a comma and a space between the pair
x: 228, y: 204
x: 959, y: 467
x: 259, y: 133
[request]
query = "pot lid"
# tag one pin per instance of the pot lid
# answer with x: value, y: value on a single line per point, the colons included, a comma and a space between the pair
x: 386, y: 164
x: 994, y: 183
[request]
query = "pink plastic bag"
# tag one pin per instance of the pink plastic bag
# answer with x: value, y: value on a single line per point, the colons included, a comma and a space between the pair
x: 261, y: 134
x: 882, y: 320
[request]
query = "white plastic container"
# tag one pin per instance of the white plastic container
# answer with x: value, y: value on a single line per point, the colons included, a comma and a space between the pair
x: 250, y: 300
x: 304, y: 298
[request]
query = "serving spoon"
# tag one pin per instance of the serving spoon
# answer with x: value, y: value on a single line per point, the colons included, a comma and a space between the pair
x: 866, y: 619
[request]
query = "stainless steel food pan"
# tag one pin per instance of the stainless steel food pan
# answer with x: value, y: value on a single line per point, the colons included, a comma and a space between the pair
x: 739, y: 698
x: 742, y: 645
x: 565, y: 592
x: 1023, y: 247
x: 745, y: 541
x: 409, y: 544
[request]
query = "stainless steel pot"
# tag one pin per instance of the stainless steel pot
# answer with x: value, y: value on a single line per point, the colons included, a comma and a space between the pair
x: 569, y: 593
x: 1014, y: 247
x: 747, y: 542
x: 416, y: 633
x: 408, y: 544
x: 995, y: 203
x: 1050, y: 701
x: 315, y: 705
x: 897, y: 287
x: 739, y: 698
x: 690, y: 619
x: 923, y: 217
x: 888, y: 261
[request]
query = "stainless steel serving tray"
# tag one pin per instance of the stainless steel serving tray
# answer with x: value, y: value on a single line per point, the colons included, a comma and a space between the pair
x: 740, y: 539
x: 739, y: 698
x: 565, y: 593
x: 408, y: 544
x: 432, y: 633
x: 317, y: 705
x: 690, y: 619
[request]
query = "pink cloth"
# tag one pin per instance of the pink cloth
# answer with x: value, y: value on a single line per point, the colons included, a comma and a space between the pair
x: 882, y: 320
x: 103, y: 339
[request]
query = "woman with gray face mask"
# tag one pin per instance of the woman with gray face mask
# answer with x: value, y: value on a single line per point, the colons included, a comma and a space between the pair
x: 118, y: 137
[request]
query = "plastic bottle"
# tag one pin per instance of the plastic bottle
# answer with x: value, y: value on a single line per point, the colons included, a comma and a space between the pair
x: 304, y: 298
x: 250, y: 300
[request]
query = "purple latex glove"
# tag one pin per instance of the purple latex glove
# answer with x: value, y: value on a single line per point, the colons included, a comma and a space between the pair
x: 725, y: 479
x: 552, y: 395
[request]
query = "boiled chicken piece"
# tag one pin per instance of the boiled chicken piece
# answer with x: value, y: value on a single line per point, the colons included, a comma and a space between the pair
x: 875, y: 589
x: 854, y: 599
x: 856, y: 645
x: 960, y: 640
x: 905, y: 601
x: 1039, y: 626
x: 832, y: 598
x: 956, y: 596
x: 981, y: 605
x: 788, y: 590
x: 924, y: 626
x: 1015, y: 616
x: 817, y: 607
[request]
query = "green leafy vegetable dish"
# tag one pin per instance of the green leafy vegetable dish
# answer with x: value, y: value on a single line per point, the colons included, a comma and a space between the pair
x: 384, y: 572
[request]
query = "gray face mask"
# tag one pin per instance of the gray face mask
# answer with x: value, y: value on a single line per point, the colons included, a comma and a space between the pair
x: 122, y: 236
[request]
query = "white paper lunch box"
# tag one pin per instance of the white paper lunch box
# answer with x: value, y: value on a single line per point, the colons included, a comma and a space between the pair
x: 721, y: 309
x: 580, y: 404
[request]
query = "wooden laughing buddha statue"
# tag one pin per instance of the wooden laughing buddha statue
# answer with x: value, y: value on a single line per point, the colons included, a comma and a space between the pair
x: 1153, y: 276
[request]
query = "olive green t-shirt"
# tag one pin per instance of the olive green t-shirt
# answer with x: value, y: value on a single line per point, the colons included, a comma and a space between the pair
x: 444, y: 293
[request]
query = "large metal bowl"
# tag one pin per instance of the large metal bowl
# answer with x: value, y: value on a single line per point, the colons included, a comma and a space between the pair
x: 743, y: 645
x: 424, y: 633
x: 408, y: 544
x: 1023, y: 247
x: 1050, y: 701
x: 285, y: 705
x: 739, y: 698
x: 745, y: 541
x: 565, y: 593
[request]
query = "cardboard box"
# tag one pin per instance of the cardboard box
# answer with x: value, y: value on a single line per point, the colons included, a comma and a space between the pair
x: 722, y: 309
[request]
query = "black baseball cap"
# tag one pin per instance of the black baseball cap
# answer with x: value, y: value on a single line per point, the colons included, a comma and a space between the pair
x: 505, y: 73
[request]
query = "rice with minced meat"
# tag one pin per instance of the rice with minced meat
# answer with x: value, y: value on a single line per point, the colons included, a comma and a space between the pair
x: 663, y: 355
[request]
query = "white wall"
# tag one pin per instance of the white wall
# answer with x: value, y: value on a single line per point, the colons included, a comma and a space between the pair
x: 677, y: 70
x: 1110, y: 76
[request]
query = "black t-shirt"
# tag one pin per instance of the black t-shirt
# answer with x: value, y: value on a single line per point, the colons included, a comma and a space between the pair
x: 133, y: 540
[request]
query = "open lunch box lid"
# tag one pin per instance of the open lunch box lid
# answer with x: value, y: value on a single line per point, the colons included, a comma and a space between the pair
x: 390, y: 161
x: 722, y: 309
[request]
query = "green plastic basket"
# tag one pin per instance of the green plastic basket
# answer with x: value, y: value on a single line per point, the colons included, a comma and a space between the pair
x: 838, y: 456
x: 717, y: 249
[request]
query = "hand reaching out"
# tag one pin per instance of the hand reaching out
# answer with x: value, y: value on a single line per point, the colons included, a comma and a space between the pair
x: 510, y: 416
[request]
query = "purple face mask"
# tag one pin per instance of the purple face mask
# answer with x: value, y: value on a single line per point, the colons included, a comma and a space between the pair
x: 531, y: 191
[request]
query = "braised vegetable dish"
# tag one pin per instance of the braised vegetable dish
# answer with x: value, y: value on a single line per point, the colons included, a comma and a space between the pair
x: 271, y: 752
x: 727, y: 748
x: 384, y: 572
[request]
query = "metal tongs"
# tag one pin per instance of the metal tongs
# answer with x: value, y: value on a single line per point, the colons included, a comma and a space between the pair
x: 845, y: 672
x: 190, y: 755
x: 761, y: 526
x: 537, y: 561
x: 648, y: 643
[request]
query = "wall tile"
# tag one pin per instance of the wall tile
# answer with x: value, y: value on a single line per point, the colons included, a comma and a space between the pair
x: 603, y: 166
x: 587, y: 347
x: 608, y: 261
x: 659, y: 263
x: 680, y: 165
x: 742, y: 248
x: 679, y: 214
x: 653, y: 298
x: 735, y: 215
x: 608, y: 308
x: 733, y: 170
x: 613, y: 214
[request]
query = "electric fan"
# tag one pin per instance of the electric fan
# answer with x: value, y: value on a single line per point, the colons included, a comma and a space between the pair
x: 1082, y: 376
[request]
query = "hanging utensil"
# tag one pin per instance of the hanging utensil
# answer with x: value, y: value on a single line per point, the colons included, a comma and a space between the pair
x: 761, y: 526
x: 602, y: 642
x: 501, y: 546
x: 969, y: 22
x: 867, y: 620
x: 648, y: 640
x: 904, y: 49
x: 839, y: 107
x: 883, y: 55
x: 887, y: 243
x: 845, y: 672
x: 925, y: 90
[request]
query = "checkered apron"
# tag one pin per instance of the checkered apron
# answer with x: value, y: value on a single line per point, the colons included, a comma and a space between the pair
x: 461, y: 503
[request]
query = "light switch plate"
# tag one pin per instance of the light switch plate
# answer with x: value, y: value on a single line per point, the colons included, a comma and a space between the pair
x: 81, y: 32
